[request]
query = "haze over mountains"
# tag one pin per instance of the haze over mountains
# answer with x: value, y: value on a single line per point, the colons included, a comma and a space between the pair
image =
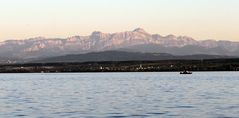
x: 137, y: 40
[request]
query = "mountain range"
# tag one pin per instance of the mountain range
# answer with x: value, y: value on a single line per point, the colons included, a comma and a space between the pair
x: 137, y: 40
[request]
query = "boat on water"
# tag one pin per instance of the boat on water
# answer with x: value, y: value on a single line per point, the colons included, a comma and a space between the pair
x: 186, y: 72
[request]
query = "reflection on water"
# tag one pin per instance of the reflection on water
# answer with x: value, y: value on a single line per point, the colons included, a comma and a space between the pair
x: 214, y: 94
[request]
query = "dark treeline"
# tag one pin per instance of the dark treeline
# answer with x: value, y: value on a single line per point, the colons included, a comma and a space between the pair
x: 126, y: 66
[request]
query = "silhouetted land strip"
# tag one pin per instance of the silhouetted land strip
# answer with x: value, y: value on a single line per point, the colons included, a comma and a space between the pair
x: 126, y: 66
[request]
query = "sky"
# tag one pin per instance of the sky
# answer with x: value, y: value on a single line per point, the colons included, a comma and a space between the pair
x: 200, y: 19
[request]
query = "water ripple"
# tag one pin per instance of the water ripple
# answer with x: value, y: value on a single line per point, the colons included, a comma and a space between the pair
x: 120, y: 95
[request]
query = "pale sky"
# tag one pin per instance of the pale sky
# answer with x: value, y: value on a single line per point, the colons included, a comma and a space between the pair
x: 200, y: 19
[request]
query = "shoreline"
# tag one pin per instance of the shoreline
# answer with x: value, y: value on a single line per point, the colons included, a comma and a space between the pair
x: 117, y: 72
x: 125, y: 66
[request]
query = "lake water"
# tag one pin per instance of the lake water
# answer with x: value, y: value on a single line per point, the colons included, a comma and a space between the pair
x: 115, y: 95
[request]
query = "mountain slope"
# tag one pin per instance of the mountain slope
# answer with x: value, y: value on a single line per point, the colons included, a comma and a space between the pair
x: 123, y: 56
x: 186, y: 50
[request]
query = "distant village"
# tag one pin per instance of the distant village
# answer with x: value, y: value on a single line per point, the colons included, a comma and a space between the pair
x: 125, y: 66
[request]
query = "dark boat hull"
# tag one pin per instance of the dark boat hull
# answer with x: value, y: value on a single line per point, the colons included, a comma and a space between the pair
x: 185, y: 72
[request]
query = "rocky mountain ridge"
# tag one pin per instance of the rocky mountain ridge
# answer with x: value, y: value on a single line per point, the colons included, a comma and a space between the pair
x: 137, y: 40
